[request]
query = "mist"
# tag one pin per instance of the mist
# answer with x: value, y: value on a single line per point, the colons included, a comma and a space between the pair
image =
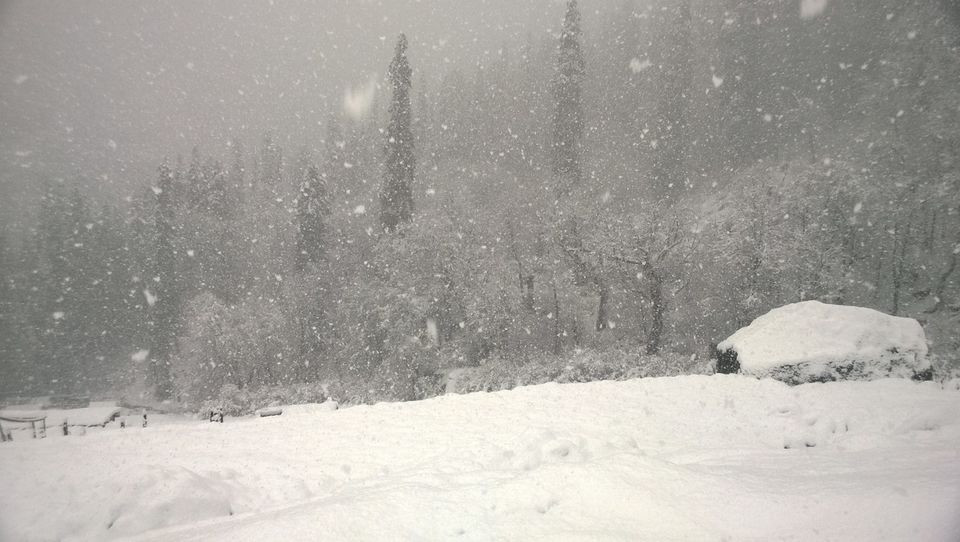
x: 100, y: 92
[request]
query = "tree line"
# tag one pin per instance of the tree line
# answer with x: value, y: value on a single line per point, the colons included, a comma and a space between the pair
x: 650, y: 187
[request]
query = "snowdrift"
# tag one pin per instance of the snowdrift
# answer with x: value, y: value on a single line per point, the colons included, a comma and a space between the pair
x: 721, y: 457
x: 812, y: 341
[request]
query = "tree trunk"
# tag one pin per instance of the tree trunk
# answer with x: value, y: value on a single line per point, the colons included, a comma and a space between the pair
x: 878, y: 272
x: 527, y: 286
x: 931, y: 236
x: 811, y: 146
x: 557, y: 343
x: 899, y: 261
x: 602, y: 306
x: 659, y: 307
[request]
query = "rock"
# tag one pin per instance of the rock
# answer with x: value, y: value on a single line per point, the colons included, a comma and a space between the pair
x: 812, y: 341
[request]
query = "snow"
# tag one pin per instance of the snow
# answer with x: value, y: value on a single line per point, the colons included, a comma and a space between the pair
x: 637, y: 65
x: 140, y: 355
x: 812, y: 8
x: 358, y: 100
x: 723, y: 457
x: 96, y: 414
x: 309, y: 409
x: 818, y: 334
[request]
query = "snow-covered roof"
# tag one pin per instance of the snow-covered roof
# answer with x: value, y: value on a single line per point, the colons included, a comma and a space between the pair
x: 815, y: 332
x: 75, y: 416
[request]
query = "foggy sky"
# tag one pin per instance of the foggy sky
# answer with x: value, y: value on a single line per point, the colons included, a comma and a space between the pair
x: 100, y: 91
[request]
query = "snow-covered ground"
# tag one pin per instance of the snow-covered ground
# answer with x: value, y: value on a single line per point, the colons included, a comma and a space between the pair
x: 714, y: 458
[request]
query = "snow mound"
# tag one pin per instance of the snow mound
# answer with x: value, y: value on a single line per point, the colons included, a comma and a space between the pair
x: 814, y: 341
x: 309, y: 409
x: 164, y: 497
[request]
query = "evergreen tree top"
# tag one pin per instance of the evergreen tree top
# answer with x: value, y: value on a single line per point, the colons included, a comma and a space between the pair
x: 571, y: 56
x: 571, y: 22
x: 399, y: 71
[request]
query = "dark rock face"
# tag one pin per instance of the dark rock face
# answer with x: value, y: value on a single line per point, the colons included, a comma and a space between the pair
x: 727, y: 362
x: 802, y: 373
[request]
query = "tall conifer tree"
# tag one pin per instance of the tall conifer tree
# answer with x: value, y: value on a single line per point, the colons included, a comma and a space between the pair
x: 311, y: 210
x: 568, y: 113
x: 396, y: 196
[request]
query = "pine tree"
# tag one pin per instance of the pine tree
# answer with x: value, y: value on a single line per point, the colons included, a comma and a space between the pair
x: 11, y: 342
x: 952, y: 10
x: 311, y: 211
x: 217, y: 200
x: 270, y: 162
x: 237, y: 181
x: 196, y: 188
x: 568, y: 115
x: 396, y: 196
x: 165, y: 301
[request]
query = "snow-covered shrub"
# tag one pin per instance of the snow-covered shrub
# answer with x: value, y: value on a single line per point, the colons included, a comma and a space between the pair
x: 946, y: 370
x: 812, y: 341
x: 238, y: 402
x: 246, y: 346
x: 581, y: 366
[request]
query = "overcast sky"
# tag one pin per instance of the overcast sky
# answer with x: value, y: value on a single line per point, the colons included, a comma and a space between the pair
x: 104, y: 89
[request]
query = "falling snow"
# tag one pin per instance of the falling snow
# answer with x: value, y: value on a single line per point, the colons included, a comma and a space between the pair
x: 140, y: 356
x: 637, y: 65
x: 256, y: 208
x: 812, y: 8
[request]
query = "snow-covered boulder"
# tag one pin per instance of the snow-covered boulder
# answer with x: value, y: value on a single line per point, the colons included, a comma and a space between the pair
x: 812, y: 341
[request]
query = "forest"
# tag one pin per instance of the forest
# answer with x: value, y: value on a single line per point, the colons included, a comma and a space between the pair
x: 619, y: 199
